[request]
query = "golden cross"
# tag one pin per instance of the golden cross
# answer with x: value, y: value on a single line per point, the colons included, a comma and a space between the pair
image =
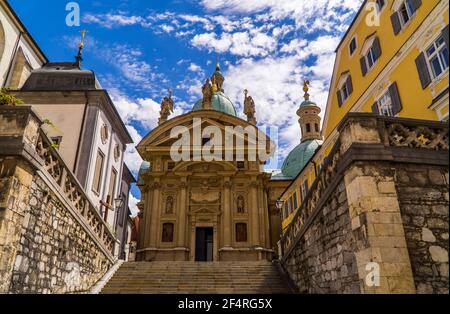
x: 83, y: 35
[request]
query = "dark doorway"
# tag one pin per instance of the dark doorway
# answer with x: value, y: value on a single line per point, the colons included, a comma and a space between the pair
x: 204, y: 244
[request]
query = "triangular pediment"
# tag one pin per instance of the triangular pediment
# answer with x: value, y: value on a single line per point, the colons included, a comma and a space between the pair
x: 201, y: 123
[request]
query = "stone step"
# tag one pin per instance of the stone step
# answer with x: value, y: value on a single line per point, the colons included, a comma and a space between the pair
x: 194, y: 277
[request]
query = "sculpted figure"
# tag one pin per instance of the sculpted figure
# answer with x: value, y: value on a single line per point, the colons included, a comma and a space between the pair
x: 207, y: 91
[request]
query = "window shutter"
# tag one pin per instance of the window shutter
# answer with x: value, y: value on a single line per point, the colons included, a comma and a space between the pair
x: 375, y: 108
x: 422, y: 68
x: 395, y: 98
x: 339, y: 97
x: 349, y: 85
x: 396, y: 25
x: 445, y: 35
x: 363, y: 66
x: 416, y: 4
x: 377, y: 48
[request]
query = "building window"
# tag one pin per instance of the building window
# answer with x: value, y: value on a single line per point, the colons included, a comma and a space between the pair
x: 437, y: 55
x: 286, y: 210
x: 98, y: 172
x: 352, y: 46
x: 167, y: 233
x: 206, y: 140
x: 406, y: 11
x: 345, y: 89
x: 380, y: 4
x: 304, y: 189
x: 112, y: 186
x: 317, y: 127
x: 385, y: 105
x: 294, y: 197
x: 241, y: 232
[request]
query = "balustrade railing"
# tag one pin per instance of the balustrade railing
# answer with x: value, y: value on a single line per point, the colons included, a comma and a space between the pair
x: 393, y: 132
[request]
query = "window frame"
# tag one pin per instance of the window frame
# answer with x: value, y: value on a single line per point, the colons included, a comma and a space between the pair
x: 98, y: 189
x: 381, y: 106
x: 436, y: 54
x: 407, y: 5
x: 353, y: 40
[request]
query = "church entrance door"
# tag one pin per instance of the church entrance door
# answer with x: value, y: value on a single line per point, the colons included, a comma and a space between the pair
x: 204, y: 244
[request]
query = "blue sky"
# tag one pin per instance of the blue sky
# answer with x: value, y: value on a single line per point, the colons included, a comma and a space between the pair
x: 139, y: 49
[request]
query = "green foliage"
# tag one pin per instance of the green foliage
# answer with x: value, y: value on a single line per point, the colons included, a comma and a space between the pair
x: 6, y: 98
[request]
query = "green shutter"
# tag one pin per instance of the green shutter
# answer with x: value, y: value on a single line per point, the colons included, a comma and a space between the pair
x: 377, y: 48
x: 396, y: 25
x: 395, y: 99
x: 363, y: 63
x: 422, y: 68
x: 375, y: 108
x: 445, y: 35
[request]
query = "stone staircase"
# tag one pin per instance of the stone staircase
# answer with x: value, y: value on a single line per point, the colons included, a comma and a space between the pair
x: 197, y: 278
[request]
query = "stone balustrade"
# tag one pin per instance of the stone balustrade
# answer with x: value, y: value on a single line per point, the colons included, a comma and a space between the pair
x: 367, y: 138
x: 26, y: 134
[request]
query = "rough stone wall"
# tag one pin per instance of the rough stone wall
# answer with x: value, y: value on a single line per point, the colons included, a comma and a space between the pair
x: 55, y: 254
x: 424, y: 199
x: 323, y: 261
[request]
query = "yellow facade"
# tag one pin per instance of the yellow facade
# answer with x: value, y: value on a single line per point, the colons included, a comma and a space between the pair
x: 395, y: 65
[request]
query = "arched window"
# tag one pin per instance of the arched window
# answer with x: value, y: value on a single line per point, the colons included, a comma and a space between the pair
x: 317, y: 127
x: 241, y: 232
x: 308, y: 127
x: 167, y: 233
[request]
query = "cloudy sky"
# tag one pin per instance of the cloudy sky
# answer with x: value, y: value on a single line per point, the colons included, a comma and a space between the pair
x: 141, y: 48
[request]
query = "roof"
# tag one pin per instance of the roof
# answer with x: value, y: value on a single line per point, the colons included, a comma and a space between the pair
x: 220, y: 102
x: 298, y: 158
x: 61, y: 76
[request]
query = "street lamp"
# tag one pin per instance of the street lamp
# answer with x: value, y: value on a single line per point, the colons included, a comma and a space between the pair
x: 279, y: 204
x: 118, y: 203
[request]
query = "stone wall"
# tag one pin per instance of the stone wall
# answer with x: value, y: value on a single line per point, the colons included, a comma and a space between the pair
x: 323, y: 260
x: 390, y: 221
x: 424, y: 199
x: 52, y: 238
x: 54, y: 254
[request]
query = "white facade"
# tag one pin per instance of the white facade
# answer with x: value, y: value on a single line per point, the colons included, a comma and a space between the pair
x: 18, y: 53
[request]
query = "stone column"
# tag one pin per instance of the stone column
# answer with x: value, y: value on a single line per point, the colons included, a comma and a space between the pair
x: 255, y: 213
x: 154, y: 215
x: 227, y: 208
x: 375, y: 216
x: 182, y: 214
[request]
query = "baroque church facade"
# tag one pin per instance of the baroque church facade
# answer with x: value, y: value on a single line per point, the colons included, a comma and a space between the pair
x: 199, y: 210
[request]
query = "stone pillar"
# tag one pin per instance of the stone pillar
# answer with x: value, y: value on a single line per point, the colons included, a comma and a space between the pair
x: 227, y: 208
x: 182, y: 214
x: 154, y: 215
x: 378, y: 228
x: 375, y: 216
x: 255, y: 213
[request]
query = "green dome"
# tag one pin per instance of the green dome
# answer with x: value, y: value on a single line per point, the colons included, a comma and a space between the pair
x: 307, y: 103
x: 220, y: 102
x: 145, y: 167
x: 299, y: 157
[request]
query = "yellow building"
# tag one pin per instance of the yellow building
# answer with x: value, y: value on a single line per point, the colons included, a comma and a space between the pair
x: 393, y: 61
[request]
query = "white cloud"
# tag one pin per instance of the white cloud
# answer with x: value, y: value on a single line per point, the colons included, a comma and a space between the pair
x: 132, y: 203
x: 111, y: 20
